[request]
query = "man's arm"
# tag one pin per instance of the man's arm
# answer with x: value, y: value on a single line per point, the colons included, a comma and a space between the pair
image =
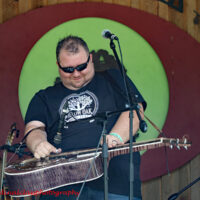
x: 37, y: 140
x: 121, y: 127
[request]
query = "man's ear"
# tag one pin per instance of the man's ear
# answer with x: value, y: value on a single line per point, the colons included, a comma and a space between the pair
x: 91, y: 57
x: 57, y: 63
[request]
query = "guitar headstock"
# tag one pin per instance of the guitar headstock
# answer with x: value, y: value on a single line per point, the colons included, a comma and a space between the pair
x: 178, y: 143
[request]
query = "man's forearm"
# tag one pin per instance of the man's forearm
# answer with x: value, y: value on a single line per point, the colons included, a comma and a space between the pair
x: 35, y: 138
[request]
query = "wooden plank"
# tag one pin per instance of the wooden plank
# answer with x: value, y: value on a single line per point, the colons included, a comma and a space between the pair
x: 163, y: 11
x: 26, y: 5
x: 9, y: 9
x: 198, y: 28
x: 184, y: 180
x: 122, y: 2
x: 80, y: 0
x: 177, y: 18
x: 66, y: 1
x: 135, y: 4
x: 170, y: 184
x: 52, y: 2
x: 33, y: 5
x: 189, y: 10
x: 107, y: 1
x: 151, y: 189
x: 195, y: 174
x: 150, y: 6
x: 93, y: 0
x: 42, y: 3
x: 1, y: 11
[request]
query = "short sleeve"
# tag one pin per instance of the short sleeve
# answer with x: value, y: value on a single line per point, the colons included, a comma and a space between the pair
x: 36, y: 109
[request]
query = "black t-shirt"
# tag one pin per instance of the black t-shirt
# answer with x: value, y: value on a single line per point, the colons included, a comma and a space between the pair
x: 98, y: 96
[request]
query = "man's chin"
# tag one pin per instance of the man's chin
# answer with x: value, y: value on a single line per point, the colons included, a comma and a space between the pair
x: 78, y: 86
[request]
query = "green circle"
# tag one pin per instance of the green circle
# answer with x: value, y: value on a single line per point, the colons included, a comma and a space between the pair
x: 143, y: 65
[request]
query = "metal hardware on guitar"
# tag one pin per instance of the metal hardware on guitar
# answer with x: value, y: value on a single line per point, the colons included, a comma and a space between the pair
x: 11, y: 134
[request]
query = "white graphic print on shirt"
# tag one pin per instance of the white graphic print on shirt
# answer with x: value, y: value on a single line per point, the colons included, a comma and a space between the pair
x: 79, y: 106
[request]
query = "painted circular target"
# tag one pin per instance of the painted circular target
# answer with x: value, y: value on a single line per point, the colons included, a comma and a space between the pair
x: 41, y: 60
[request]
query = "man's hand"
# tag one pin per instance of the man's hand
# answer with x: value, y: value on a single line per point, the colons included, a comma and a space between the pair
x: 44, y: 149
x: 37, y: 140
x: 112, y: 141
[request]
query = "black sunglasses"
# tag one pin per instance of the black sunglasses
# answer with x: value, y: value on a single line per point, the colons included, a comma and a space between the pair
x: 79, y: 68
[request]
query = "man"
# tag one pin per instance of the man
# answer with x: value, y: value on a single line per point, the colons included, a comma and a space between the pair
x: 82, y: 94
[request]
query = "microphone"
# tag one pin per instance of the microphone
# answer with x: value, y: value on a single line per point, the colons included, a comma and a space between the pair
x: 58, y: 137
x: 143, y: 126
x: 108, y: 35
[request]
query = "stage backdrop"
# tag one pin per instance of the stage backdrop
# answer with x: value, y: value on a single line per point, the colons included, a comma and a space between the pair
x: 161, y: 59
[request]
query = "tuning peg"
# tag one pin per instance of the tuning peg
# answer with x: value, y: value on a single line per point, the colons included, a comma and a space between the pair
x: 177, y: 141
x: 186, y: 148
x: 178, y: 147
x: 177, y: 144
x: 185, y: 141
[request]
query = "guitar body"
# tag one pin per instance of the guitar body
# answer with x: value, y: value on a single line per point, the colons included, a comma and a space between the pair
x: 33, y: 177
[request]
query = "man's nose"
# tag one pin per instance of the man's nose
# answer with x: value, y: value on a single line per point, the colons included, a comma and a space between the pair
x: 76, y: 73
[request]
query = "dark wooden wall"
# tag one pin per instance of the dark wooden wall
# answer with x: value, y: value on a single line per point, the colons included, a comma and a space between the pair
x: 162, y: 187
x: 12, y: 8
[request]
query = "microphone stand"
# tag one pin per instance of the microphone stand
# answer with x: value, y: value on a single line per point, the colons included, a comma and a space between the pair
x: 175, y: 195
x: 132, y: 106
x: 101, y: 118
x: 105, y: 155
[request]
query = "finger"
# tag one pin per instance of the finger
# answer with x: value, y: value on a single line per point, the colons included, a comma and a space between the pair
x: 42, y: 154
x: 50, y: 148
x: 54, y: 150
x: 42, y: 149
x: 39, y: 155
x: 111, y: 143
x: 117, y: 139
x: 36, y: 155
x: 46, y: 148
x: 114, y: 143
x: 57, y: 150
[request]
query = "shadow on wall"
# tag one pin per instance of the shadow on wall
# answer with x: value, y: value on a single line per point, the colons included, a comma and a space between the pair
x: 103, y: 61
